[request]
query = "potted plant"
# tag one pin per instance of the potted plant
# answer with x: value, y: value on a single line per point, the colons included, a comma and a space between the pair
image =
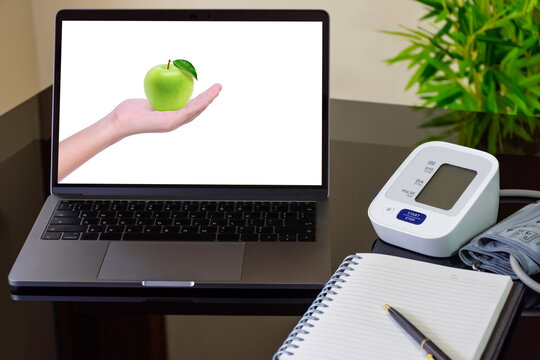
x: 481, y: 56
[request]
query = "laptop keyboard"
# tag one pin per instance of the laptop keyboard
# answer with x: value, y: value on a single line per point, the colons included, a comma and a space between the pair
x: 182, y: 221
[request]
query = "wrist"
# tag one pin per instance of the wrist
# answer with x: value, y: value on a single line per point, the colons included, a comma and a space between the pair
x: 112, y: 124
x: 111, y: 129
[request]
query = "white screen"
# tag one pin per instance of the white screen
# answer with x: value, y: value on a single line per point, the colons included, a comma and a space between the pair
x: 265, y: 127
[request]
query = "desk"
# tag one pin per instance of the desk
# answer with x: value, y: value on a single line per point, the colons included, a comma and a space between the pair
x: 119, y: 324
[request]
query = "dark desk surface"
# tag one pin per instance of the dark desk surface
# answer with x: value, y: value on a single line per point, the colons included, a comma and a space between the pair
x: 83, y: 324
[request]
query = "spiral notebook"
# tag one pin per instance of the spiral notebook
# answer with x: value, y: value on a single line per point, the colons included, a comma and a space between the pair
x: 466, y: 313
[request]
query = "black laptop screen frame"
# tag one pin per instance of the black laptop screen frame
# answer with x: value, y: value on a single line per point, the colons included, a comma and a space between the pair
x: 174, y: 190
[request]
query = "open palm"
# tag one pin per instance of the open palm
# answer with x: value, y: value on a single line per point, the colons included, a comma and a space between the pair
x: 135, y: 116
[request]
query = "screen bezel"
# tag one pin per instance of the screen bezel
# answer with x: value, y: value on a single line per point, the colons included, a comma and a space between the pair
x: 174, y: 190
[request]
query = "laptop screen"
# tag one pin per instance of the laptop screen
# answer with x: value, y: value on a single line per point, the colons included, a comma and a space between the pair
x: 265, y: 128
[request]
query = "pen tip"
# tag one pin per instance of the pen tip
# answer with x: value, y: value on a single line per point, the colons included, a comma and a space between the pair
x: 387, y: 306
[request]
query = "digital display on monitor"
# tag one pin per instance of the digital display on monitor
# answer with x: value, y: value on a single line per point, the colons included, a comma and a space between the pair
x: 264, y: 127
x: 446, y: 186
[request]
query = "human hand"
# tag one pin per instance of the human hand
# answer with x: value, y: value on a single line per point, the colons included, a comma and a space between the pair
x: 135, y: 116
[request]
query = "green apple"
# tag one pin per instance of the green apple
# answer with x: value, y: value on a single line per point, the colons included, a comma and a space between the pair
x: 169, y: 86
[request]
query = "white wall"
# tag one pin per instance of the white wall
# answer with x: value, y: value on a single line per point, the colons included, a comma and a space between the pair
x: 357, y: 49
x: 18, y: 66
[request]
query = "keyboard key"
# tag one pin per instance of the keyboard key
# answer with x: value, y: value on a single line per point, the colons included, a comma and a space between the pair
x: 233, y: 215
x: 65, y: 206
x: 171, y: 207
x: 171, y: 229
x: 97, y: 228
x: 268, y: 237
x: 218, y: 222
x: 125, y: 214
x: 90, y: 221
x: 161, y: 214
x: 152, y: 229
x: 189, y: 229
x: 84, y: 206
x: 306, y: 215
x: 154, y: 206
x: 108, y: 221
x: 208, y: 207
x: 287, y: 237
x: 51, y: 236
x: 65, y: 221
x: 126, y: 221
x: 134, y: 228
x: 306, y: 237
x: 179, y: 214
x: 273, y: 222
x: 228, y: 237
x: 163, y: 221
x: 249, y: 237
x: 190, y: 207
x: 66, y: 228
x: 66, y: 214
x: 271, y: 215
x: 89, y: 214
x: 181, y: 222
x: 264, y: 229
x: 197, y: 215
x: 100, y: 206
x: 255, y: 222
x: 135, y: 207
x: 227, y: 229
x: 208, y: 229
x: 145, y: 221
x: 200, y: 222
x: 143, y: 214
x: 115, y: 228
x: 119, y: 206
x: 237, y: 222
x: 252, y: 215
x: 71, y: 236
x: 216, y: 215
x: 90, y: 236
x: 111, y: 236
x: 246, y: 229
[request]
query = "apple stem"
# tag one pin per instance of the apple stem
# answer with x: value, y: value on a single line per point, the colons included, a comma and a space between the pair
x: 168, y: 64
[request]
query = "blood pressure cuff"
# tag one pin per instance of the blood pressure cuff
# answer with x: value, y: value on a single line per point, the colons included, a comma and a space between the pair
x: 519, y: 235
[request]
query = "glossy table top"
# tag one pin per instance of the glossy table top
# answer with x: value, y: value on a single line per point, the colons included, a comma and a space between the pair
x: 368, y: 142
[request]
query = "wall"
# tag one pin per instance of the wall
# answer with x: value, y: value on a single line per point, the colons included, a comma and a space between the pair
x: 18, y: 66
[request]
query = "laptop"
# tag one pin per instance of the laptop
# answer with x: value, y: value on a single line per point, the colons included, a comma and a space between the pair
x: 235, y: 197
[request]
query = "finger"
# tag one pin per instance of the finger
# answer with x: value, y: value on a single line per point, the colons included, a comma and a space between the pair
x: 201, y: 102
x: 195, y: 106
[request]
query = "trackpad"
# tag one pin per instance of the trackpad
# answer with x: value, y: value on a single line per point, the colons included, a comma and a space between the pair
x: 173, y: 262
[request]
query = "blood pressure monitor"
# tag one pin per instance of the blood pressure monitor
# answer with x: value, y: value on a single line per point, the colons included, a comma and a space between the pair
x: 440, y: 197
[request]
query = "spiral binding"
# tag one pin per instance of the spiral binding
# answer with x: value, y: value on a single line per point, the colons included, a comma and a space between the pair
x: 314, y: 310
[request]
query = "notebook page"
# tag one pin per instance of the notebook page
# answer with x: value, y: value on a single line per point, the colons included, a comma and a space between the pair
x: 455, y: 308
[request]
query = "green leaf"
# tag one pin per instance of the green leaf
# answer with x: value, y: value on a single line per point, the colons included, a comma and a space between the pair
x: 523, y: 134
x: 479, y: 130
x: 528, y: 61
x: 436, y: 4
x: 495, y: 40
x: 400, y: 33
x: 533, y: 80
x: 493, y: 135
x: 403, y: 55
x: 186, y: 66
x: 451, y: 118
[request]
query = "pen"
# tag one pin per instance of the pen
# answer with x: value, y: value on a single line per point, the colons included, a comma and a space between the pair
x: 433, y: 352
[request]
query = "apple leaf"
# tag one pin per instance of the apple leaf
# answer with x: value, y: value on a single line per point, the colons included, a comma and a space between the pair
x: 186, y: 66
